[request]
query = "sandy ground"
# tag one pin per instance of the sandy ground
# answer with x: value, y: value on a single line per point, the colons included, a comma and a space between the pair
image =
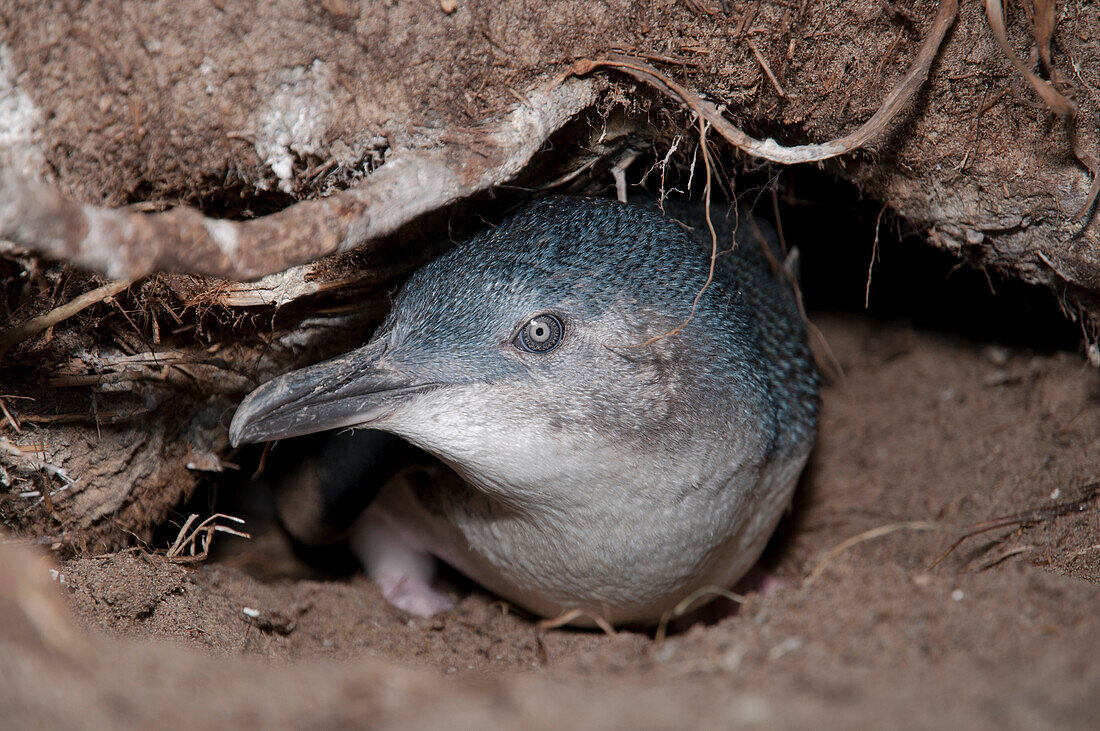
x: 1004, y: 633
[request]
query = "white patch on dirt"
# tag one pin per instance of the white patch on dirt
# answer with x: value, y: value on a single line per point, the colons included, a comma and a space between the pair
x: 207, y: 72
x: 20, y: 123
x: 294, y: 120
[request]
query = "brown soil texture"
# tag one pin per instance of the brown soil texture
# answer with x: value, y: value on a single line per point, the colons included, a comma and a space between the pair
x: 921, y: 427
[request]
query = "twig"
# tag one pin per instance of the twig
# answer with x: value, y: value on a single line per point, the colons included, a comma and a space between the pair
x: 10, y: 419
x: 767, y: 69
x: 659, y: 57
x: 769, y: 149
x: 618, y: 173
x: 197, y: 542
x: 124, y: 244
x: 25, y: 463
x: 871, y: 264
x: 182, y: 535
x: 1091, y: 493
x: 31, y: 327
x: 151, y: 359
x: 76, y: 417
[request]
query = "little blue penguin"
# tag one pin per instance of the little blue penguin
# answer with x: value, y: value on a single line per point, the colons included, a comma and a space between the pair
x: 620, y: 418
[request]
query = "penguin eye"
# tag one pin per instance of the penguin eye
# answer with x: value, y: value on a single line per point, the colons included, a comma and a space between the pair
x: 540, y: 334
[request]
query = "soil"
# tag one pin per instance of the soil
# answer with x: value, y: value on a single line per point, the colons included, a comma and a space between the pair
x: 922, y: 426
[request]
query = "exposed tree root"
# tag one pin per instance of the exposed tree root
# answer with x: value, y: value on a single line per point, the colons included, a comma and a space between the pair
x: 125, y: 244
x: 19, y: 333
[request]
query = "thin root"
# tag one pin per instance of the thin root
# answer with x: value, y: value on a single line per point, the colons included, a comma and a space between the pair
x: 867, y: 535
x: 32, y: 327
x: 197, y: 542
x: 819, y: 345
x: 1083, y: 551
x: 576, y: 613
x: 874, y: 256
x: 990, y: 562
x: 713, y: 242
x: 1090, y: 494
x: 685, y: 605
x: 769, y: 149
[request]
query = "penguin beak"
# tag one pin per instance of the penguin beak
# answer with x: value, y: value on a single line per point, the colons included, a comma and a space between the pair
x: 354, y: 389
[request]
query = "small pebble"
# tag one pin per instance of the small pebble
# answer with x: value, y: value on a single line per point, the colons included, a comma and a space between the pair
x: 957, y: 595
x: 788, y: 645
x: 732, y: 659
x: 665, y: 653
x: 997, y: 354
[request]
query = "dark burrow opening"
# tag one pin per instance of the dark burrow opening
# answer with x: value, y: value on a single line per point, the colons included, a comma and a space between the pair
x: 911, y: 281
x: 836, y: 229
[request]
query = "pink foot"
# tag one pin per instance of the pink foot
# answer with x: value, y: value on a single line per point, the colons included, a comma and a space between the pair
x: 413, y: 595
x: 402, y: 571
x: 759, y: 580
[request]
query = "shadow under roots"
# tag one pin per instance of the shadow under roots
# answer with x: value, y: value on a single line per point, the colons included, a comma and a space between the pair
x: 910, y: 281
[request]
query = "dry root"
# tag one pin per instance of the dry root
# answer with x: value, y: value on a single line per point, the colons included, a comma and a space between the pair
x: 192, y: 546
x: 124, y: 244
x: 1089, y: 494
